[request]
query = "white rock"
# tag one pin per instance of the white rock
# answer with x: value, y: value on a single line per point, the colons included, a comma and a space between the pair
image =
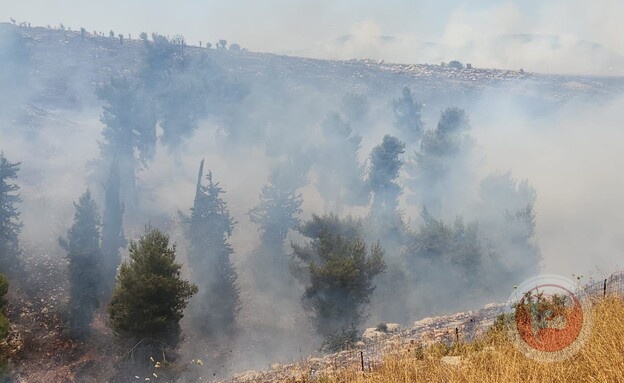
x: 371, y: 333
x: 451, y: 360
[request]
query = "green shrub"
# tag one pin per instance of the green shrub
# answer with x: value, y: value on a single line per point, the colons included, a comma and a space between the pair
x: 4, y: 326
x: 4, y: 289
x: 419, y: 352
x: 343, y: 340
x: 382, y: 327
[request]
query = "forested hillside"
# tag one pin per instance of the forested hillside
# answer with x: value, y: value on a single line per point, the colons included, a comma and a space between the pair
x: 182, y: 213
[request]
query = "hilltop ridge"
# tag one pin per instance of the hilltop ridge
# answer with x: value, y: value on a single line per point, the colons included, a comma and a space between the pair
x: 70, y: 65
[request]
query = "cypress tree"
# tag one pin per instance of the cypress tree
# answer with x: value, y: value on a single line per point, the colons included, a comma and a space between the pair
x: 4, y: 322
x: 10, y: 226
x: 276, y: 213
x: 210, y: 226
x: 84, y: 254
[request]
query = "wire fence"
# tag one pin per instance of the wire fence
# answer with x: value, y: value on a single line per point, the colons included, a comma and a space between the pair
x: 468, y: 326
x: 460, y: 327
x: 613, y: 285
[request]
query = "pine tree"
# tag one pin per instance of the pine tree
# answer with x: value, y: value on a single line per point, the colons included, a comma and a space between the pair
x: 84, y: 254
x: 442, y: 165
x: 276, y: 213
x: 385, y: 223
x: 454, y: 251
x: 407, y: 116
x: 210, y: 225
x: 10, y: 226
x: 507, y: 214
x: 112, y: 231
x: 150, y: 296
x: 385, y: 165
x: 340, y: 274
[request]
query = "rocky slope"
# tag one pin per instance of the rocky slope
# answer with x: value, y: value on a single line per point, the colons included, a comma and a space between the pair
x: 376, y: 343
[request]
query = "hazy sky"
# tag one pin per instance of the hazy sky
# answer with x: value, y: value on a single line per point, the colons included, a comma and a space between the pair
x: 277, y: 25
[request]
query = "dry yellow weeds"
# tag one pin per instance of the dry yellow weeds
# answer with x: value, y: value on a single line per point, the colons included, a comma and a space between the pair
x: 494, y: 359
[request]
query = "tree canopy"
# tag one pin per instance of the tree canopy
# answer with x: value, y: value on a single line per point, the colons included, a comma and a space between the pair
x: 340, y: 276
x: 150, y: 296
x: 208, y: 229
x: 407, y: 116
x: 83, y: 251
x: 10, y: 225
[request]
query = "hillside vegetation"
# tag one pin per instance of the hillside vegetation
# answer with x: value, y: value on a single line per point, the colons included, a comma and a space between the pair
x: 331, y: 196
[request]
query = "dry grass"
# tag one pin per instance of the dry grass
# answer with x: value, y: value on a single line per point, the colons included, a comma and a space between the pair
x: 495, y: 359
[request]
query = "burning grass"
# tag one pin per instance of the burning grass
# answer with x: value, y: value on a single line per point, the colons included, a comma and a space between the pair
x: 493, y: 358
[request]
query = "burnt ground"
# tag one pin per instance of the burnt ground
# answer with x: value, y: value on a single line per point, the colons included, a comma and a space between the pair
x: 38, y: 345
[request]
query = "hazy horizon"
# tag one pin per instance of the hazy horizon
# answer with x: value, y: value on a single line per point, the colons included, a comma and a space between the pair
x: 310, y: 28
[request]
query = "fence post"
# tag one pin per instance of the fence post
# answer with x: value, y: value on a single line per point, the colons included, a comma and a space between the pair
x: 604, y: 289
x: 362, y: 359
x: 456, y: 335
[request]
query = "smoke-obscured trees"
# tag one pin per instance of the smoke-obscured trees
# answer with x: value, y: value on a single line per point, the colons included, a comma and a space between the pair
x: 278, y: 210
x: 4, y: 321
x: 477, y: 257
x: 150, y: 296
x: 355, y: 107
x: 348, y: 227
x: 385, y: 223
x: 507, y: 212
x: 385, y: 163
x: 161, y: 58
x: 129, y: 119
x: 441, y: 168
x: 209, y: 227
x: 450, y: 254
x: 276, y: 214
x: 176, y: 93
x: 83, y: 252
x: 16, y: 64
x: 10, y: 226
x: 340, y: 175
x: 113, y: 239
x: 129, y: 136
x: 182, y: 88
x: 407, y: 116
x: 340, y: 272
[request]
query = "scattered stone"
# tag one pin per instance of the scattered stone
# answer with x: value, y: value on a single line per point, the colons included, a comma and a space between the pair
x: 371, y: 333
x: 451, y: 360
